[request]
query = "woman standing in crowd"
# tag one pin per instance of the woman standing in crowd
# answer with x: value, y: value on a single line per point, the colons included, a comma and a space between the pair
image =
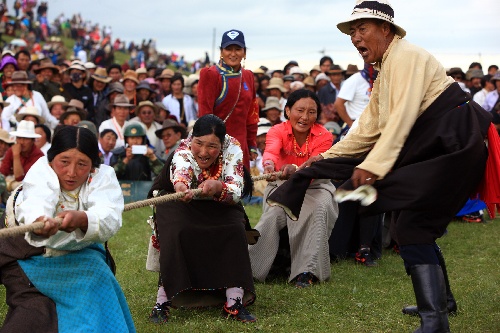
x: 287, y: 145
x: 75, y: 286
x: 227, y: 90
x: 210, y: 160
x: 179, y: 104
x: 7, y: 68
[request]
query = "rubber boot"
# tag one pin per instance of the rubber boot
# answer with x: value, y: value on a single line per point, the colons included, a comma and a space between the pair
x: 429, y: 288
x: 452, y: 304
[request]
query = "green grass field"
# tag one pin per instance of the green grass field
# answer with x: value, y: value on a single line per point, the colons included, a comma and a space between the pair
x: 356, y: 299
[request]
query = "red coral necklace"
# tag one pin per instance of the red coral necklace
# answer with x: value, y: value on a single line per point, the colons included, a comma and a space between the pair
x: 298, y: 152
x: 207, y: 172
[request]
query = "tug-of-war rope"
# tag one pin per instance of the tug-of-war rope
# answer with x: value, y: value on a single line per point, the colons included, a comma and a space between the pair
x: 19, y: 230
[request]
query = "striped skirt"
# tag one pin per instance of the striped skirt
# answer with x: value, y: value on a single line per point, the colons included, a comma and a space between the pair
x: 308, y: 236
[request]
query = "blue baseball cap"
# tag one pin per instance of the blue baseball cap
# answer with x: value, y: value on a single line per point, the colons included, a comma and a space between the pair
x: 232, y: 37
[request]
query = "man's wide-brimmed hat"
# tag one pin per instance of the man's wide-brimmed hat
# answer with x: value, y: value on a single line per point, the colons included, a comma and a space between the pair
x: 101, y: 75
x: 130, y: 75
x: 5, y: 137
x: 122, y: 100
x: 335, y: 69
x: 351, y: 69
x: 263, y: 126
x: 25, y: 129
x: 19, y: 77
x: 75, y: 106
x: 170, y: 123
x: 380, y: 10
x: 277, y: 83
x: 30, y: 111
x: 57, y: 99
x: 44, y: 64
x: 272, y: 103
x: 167, y: 73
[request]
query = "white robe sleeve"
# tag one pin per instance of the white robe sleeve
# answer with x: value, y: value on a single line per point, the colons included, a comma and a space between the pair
x: 101, y: 199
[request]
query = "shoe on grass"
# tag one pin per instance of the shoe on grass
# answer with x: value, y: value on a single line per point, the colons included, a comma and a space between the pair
x: 238, y: 312
x: 160, y: 313
x: 364, y: 257
x: 305, y: 280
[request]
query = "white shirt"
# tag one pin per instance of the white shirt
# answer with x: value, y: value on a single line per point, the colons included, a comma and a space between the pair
x: 356, y: 92
x: 45, y: 148
x: 112, y: 124
x: 173, y: 105
x: 37, y: 100
x: 480, y: 96
x: 101, y: 199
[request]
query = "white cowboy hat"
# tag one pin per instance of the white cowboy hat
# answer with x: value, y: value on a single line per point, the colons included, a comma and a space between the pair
x: 374, y: 9
x: 30, y: 111
x: 25, y: 129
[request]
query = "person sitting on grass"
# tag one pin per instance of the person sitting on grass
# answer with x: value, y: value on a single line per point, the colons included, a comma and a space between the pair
x: 204, y: 258
x: 290, y: 144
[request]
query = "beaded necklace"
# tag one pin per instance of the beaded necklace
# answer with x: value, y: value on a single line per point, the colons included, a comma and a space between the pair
x: 298, y: 152
x: 207, y: 172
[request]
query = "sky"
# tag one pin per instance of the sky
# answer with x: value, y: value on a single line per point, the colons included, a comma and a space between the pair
x: 457, y: 32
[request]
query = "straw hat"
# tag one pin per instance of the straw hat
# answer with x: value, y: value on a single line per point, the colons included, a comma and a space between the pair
x: 30, y: 111
x: 170, y: 123
x: 101, y: 75
x: 25, y: 129
x: 5, y: 137
x: 321, y: 76
x: 272, y: 103
x: 76, y: 65
x: 19, y: 77
x: 89, y: 65
x: 130, y: 75
x: 276, y: 83
x: 309, y: 81
x: 141, y: 70
x: 379, y: 9
x: 57, y: 99
x: 143, y: 104
x: 315, y: 68
x: 167, y: 73
x: 263, y: 126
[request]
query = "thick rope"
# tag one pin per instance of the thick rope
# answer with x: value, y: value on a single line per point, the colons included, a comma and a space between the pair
x: 19, y: 230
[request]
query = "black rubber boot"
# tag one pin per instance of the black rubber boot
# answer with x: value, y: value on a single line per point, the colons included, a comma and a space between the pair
x: 451, y: 303
x: 429, y: 288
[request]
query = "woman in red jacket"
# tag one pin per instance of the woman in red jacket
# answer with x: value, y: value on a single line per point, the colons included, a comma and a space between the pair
x: 227, y: 91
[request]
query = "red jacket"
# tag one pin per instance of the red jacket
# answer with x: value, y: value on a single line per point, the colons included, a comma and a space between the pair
x: 217, y: 94
x: 26, y: 161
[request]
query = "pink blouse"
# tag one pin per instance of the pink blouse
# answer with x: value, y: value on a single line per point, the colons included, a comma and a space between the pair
x: 280, y: 144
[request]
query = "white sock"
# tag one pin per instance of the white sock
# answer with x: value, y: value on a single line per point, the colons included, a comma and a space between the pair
x: 161, y: 296
x: 232, y: 294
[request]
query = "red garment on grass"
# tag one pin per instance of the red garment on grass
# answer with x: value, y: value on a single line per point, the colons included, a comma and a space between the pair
x: 489, y: 188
